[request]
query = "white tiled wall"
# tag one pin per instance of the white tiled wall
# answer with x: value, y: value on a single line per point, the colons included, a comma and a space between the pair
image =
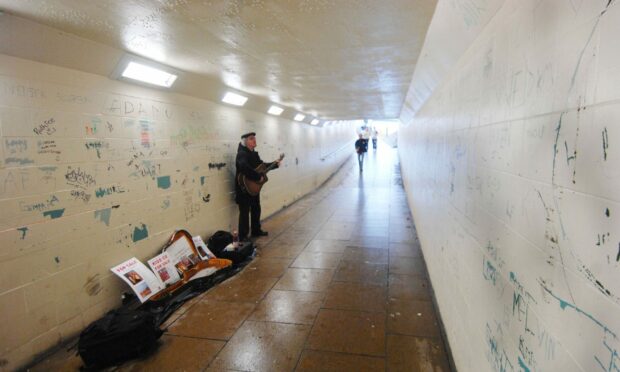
x: 512, y: 168
x: 94, y: 171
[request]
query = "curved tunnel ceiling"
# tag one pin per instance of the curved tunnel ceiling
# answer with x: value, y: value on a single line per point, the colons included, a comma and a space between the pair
x: 337, y: 59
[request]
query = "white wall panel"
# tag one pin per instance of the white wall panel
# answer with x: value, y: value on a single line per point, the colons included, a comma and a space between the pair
x: 513, y: 179
x: 95, y: 171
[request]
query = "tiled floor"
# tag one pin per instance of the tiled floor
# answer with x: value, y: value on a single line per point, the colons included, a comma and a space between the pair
x: 339, y: 285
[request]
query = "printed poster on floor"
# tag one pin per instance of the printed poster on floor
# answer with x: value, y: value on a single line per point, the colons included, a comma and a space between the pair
x: 141, y: 280
x: 182, y: 255
x: 203, y: 251
x: 164, y: 269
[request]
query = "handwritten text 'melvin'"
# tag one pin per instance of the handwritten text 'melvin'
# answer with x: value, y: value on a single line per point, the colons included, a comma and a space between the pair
x: 79, y: 178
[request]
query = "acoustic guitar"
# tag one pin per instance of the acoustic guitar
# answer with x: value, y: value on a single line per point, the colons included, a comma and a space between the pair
x: 253, y: 187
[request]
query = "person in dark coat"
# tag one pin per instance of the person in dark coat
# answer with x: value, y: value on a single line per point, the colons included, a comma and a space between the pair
x: 361, y: 147
x: 249, y: 206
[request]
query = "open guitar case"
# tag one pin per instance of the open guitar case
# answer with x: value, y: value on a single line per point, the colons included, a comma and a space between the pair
x: 192, y: 283
x: 132, y: 330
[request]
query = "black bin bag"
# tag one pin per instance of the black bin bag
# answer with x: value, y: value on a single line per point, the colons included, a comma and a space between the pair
x: 120, y: 335
x: 242, y: 253
x: 218, y: 241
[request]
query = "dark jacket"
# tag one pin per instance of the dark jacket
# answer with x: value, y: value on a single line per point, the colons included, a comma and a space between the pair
x: 361, y: 145
x: 246, y: 163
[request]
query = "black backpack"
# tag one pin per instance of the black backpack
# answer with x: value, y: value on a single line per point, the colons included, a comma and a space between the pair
x: 218, y: 241
x: 120, y: 335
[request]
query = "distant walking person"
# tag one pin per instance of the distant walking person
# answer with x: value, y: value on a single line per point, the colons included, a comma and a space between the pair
x: 375, y: 134
x: 361, y: 147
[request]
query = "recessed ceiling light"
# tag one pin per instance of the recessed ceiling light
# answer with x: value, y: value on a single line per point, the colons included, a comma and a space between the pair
x: 314, y: 121
x: 299, y: 117
x: 275, y: 110
x: 234, y: 99
x: 148, y: 74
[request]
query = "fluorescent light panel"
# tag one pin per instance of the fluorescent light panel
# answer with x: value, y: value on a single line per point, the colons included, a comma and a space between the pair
x: 148, y: 74
x: 314, y: 121
x: 234, y: 99
x: 299, y: 117
x: 275, y: 110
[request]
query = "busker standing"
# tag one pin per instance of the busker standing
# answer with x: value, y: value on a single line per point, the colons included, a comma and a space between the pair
x: 247, y: 162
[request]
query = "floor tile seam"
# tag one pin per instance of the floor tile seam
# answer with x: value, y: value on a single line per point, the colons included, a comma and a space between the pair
x: 227, y: 369
x: 422, y: 337
x: 405, y: 299
x: 420, y: 276
x: 235, y: 302
x: 360, y: 310
x: 430, y: 301
x: 305, y: 246
x: 256, y: 303
x: 198, y: 337
x: 307, y: 340
x: 309, y: 325
x: 312, y: 268
x: 354, y: 311
x: 365, y: 261
x: 349, y: 353
x: 297, y: 290
x: 387, y: 308
x: 434, y: 338
x: 243, y: 321
x: 345, y: 353
x: 359, y: 281
x: 413, y: 275
x: 403, y: 256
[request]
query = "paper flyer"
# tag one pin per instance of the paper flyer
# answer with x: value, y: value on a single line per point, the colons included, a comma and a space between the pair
x: 164, y: 269
x: 141, y: 280
x: 182, y: 256
x: 203, y: 251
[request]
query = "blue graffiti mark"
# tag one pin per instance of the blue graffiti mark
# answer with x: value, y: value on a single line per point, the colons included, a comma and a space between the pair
x: 55, y: 213
x: 521, y: 300
x: 109, y: 190
x: 522, y: 365
x: 139, y: 233
x: 564, y: 304
x: 613, y: 365
x: 497, y: 356
x: 23, y: 231
x: 104, y: 215
x: 163, y: 182
x: 19, y: 161
x: 489, y: 271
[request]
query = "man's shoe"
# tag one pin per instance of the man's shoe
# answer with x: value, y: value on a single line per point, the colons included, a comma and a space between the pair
x: 260, y: 233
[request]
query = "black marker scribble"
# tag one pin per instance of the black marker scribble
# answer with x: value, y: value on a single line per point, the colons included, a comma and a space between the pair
x: 605, y: 143
x: 217, y: 166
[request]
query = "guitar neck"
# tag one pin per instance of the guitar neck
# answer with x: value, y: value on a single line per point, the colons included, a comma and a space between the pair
x: 274, y: 164
x: 271, y: 167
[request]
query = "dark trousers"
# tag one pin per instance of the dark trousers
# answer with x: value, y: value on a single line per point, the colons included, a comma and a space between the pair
x: 249, y: 208
x: 360, y: 159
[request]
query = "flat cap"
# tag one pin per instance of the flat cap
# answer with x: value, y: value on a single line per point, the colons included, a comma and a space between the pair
x: 247, y: 135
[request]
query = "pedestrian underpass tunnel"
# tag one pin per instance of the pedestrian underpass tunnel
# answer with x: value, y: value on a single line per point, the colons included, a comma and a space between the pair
x: 481, y: 234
